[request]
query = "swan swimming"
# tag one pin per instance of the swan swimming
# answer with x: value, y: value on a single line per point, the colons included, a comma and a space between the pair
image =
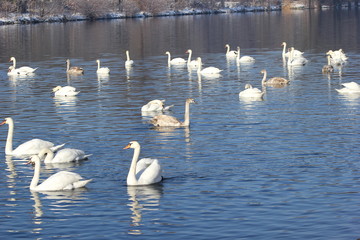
x: 73, y: 70
x: 208, y: 70
x: 285, y: 54
x: 350, y: 87
x: 175, y: 61
x: 155, y: 105
x: 28, y: 148
x: 230, y: 53
x: 243, y: 59
x: 64, y: 155
x: 101, y: 70
x: 191, y: 63
x: 67, y: 91
x: 275, y: 81
x: 21, y: 70
x: 59, y: 181
x: 145, y: 171
x: 170, y: 121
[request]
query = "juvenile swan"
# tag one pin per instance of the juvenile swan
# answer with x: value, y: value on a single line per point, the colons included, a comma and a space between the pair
x: 73, y: 70
x: 146, y: 171
x: 59, y: 181
x: 275, y: 81
x: 170, y: 121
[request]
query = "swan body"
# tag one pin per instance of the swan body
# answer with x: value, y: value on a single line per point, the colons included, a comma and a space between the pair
x: 146, y: 171
x: 73, y: 70
x: 337, y: 57
x: 155, y: 105
x: 191, y: 63
x: 102, y: 70
x: 350, y: 87
x: 175, y: 61
x: 170, y: 121
x: 243, y: 59
x: 16, y: 72
x: 296, y: 61
x: 21, y: 70
x: 251, y: 92
x: 275, y: 81
x: 328, y: 68
x: 285, y: 54
x: 28, y: 148
x: 67, y: 91
x: 230, y: 53
x: 59, y: 181
x: 128, y: 62
x: 64, y: 155
x: 208, y: 70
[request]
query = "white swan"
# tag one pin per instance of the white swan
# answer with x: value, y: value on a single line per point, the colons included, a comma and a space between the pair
x: 128, y: 62
x: 328, y: 68
x: 243, y: 59
x: 230, y: 53
x: 21, y: 70
x: 337, y: 57
x: 67, y: 91
x: 73, y: 70
x: 64, y: 155
x: 285, y: 54
x: 102, y: 70
x: 59, y: 181
x: 275, y: 81
x: 146, y: 171
x: 251, y: 92
x: 30, y: 147
x: 192, y: 63
x: 350, y: 87
x: 170, y: 121
x: 155, y: 105
x: 175, y: 61
x: 208, y: 70
x: 296, y: 61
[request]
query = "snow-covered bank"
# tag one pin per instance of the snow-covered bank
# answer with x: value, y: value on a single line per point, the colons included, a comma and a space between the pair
x: 31, y: 18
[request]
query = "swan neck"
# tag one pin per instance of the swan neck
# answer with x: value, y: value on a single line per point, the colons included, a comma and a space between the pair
x: 127, y: 56
x: 263, y: 81
x: 98, y: 62
x: 9, y: 139
x: 328, y: 59
x: 199, y: 67
x: 67, y: 65
x: 35, y: 179
x: 238, y: 54
x: 131, y: 178
x: 227, y: 49
x: 284, y: 49
x: 169, y: 59
x: 49, y: 155
x: 189, y: 58
x: 14, y: 63
x: 186, y: 115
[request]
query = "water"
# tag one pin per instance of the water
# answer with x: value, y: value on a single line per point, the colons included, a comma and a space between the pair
x: 283, y: 168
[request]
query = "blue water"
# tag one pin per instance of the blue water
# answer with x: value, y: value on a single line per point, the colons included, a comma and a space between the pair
x: 286, y: 167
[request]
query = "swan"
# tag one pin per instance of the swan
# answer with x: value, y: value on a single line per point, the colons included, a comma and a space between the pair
x: 15, y: 72
x: 285, y: 54
x: 30, y: 147
x: 243, y: 59
x: 230, y: 53
x: 350, y: 87
x: 208, y: 70
x: 337, y: 57
x: 192, y: 63
x: 67, y: 91
x: 146, y: 171
x: 102, y: 70
x: 25, y: 70
x: 155, y: 105
x: 59, y: 181
x: 275, y: 81
x: 175, y: 61
x: 251, y: 92
x: 128, y: 62
x: 170, y: 121
x: 328, y: 68
x: 64, y: 155
x: 73, y: 70
x: 295, y: 61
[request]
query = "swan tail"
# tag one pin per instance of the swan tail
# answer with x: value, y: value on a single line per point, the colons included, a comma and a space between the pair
x: 87, y: 156
x: 168, y: 107
x: 80, y: 184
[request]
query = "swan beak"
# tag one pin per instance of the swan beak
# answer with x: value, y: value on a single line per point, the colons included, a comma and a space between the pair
x: 3, y: 122
x: 30, y: 162
x: 127, y: 146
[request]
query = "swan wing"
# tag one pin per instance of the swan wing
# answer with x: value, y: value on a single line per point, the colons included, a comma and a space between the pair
x: 151, y: 173
x: 68, y: 155
x: 154, y: 105
x: 247, y: 59
x: 165, y: 121
x: 31, y: 147
x: 59, y: 181
x: 178, y: 61
x: 211, y: 70
x: 352, y: 86
x: 251, y: 92
x: 26, y: 69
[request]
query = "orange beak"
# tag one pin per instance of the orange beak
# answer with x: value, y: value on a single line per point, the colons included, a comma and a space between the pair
x: 127, y: 146
x: 3, y: 122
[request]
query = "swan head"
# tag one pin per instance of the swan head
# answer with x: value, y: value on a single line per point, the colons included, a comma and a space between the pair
x: 57, y: 88
x: 263, y: 71
x: 227, y: 46
x: 188, y: 51
x: 10, y: 68
x: 248, y: 86
x: 6, y: 121
x: 98, y: 61
x: 198, y: 59
x: 167, y: 52
x: 283, y: 44
x: 132, y: 144
x: 12, y: 59
x: 190, y: 100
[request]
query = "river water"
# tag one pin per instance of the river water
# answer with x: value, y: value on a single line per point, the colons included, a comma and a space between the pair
x: 286, y: 167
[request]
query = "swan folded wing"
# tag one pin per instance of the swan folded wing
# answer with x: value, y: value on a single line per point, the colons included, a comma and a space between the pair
x: 26, y: 69
x: 31, y: 147
x: 151, y: 173
x: 68, y: 155
x: 165, y: 121
x: 178, y: 61
x: 352, y: 86
x: 62, y: 180
x: 154, y: 105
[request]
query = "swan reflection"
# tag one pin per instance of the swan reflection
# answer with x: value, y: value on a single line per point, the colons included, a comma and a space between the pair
x: 141, y: 199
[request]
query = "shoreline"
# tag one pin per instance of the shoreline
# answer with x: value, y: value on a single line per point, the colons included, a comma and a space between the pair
x: 27, y: 18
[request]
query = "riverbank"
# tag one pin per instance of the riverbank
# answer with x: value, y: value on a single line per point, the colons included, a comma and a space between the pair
x: 33, y: 18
